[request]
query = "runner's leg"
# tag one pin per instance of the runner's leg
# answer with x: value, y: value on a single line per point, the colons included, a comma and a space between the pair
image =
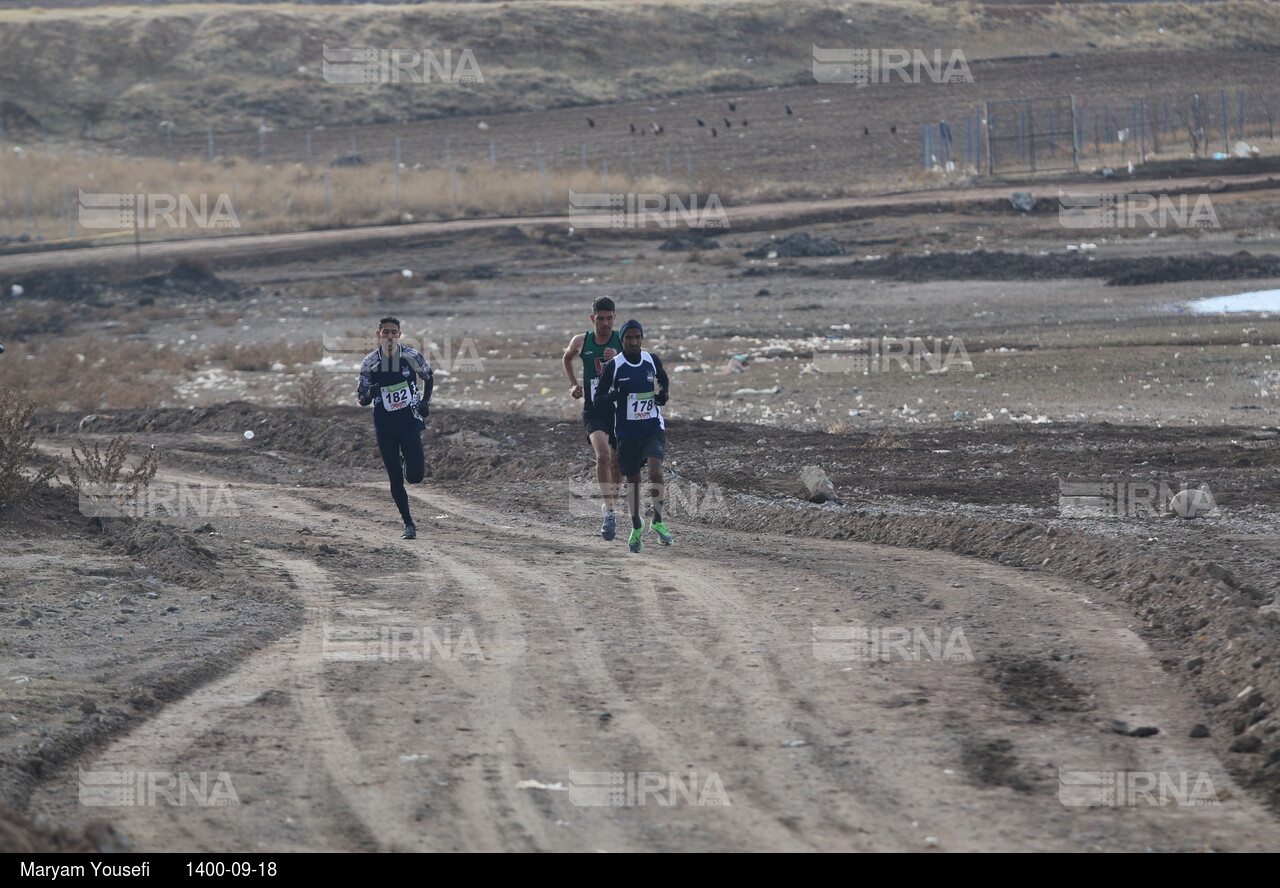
x: 606, y: 465
x: 415, y: 461
x: 656, y: 487
x: 389, y: 447
x: 633, y: 499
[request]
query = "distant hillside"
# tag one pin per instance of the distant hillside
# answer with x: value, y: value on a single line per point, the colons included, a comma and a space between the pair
x: 234, y: 67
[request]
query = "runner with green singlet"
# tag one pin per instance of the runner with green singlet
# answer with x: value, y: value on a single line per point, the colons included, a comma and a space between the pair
x: 596, y: 348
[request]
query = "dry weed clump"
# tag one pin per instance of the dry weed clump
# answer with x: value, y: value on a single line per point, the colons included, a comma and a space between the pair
x: 314, y: 392
x: 99, y: 477
x: 461, y: 290
x: 17, y: 450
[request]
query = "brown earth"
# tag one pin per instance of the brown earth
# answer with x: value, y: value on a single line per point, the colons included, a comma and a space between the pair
x: 200, y: 639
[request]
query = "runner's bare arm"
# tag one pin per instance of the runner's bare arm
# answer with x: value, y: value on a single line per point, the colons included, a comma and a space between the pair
x: 570, y: 354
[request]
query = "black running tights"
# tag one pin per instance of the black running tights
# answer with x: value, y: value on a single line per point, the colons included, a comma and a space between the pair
x: 405, y: 461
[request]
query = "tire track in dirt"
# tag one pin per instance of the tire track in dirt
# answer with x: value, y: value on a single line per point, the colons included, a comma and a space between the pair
x: 703, y: 655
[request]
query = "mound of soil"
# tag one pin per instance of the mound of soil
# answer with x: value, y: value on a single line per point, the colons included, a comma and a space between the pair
x: 680, y: 243
x: 19, y: 835
x: 172, y: 555
x: 798, y: 245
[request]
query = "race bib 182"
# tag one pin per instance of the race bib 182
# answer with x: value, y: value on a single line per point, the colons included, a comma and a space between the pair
x: 395, y: 397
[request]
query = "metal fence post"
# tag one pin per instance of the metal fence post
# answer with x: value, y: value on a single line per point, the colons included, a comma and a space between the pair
x: 1226, y: 138
x: 542, y: 169
x: 1142, y: 128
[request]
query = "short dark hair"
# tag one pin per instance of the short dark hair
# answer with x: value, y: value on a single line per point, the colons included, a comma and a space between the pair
x: 603, y: 303
x: 388, y: 320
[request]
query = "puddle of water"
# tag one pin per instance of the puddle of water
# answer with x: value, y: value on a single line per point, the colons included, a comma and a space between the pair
x: 1258, y: 300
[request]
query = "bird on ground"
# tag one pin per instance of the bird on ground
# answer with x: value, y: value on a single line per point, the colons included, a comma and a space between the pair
x: 700, y: 123
x: 590, y: 122
x: 633, y: 128
x: 866, y: 131
x: 713, y: 132
x: 894, y: 128
x: 727, y: 124
x: 746, y: 123
x: 733, y: 106
x: 789, y: 111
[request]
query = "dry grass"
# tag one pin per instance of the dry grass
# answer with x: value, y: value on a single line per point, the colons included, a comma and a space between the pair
x: 92, y: 373
x: 267, y: 198
x: 262, y: 356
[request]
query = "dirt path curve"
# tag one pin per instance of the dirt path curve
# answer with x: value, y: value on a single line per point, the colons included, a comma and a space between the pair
x: 431, y: 678
x: 746, y: 217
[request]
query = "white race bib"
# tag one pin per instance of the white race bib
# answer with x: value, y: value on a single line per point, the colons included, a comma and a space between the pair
x: 641, y: 406
x: 395, y: 397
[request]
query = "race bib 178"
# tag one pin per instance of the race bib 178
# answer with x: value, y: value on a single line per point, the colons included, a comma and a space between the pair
x: 641, y: 406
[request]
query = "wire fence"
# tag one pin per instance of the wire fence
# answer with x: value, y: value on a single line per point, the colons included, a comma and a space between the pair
x: 1062, y: 132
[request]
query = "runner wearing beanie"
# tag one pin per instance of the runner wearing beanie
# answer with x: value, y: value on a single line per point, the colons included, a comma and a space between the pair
x: 635, y: 387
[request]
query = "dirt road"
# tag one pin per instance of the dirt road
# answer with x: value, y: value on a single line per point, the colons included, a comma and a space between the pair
x: 431, y: 678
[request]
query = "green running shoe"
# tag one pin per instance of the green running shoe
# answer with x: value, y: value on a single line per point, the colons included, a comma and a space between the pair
x: 635, y: 544
x: 664, y: 535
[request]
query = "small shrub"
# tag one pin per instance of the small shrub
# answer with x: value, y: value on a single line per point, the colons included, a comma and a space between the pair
x: 99, y: 477
x: 17, y: 450
x: 313, y: 392
x: 464, y: 290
